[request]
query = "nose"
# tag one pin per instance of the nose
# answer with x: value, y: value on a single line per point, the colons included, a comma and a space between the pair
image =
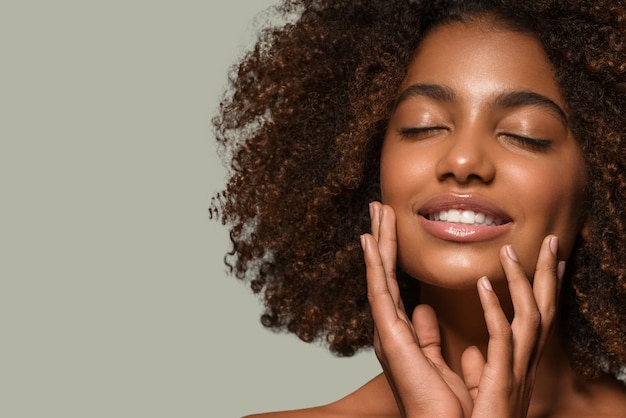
x: 467, y: 158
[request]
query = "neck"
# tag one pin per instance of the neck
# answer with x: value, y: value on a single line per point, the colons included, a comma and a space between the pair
x: 461, y: 319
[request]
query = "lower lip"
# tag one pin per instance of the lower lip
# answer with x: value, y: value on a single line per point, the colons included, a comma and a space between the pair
x: 463, y: 233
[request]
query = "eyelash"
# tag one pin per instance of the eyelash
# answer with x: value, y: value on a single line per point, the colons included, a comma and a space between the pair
x: 532, y: 144
x: 419, y: 132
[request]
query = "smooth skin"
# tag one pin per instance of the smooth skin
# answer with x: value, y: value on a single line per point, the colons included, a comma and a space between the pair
x: 410, y: 350
x: 479, y: 114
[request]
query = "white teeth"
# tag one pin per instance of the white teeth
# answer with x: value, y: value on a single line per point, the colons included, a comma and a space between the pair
x: 453, y: 215
x: 467, y: 217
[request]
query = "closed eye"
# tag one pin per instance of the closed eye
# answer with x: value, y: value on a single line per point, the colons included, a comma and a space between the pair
x: 420, y: 132
x: 532, y: 144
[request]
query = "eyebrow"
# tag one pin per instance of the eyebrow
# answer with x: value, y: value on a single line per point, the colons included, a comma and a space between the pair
x: 432, y: 91
x: 505, y: 100
x: 514, y: 99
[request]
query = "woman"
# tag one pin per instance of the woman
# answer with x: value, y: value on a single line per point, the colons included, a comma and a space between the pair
x: 491, y: 133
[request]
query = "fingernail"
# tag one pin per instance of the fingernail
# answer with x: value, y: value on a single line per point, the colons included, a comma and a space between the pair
x: 371, y: 209
x: 554, y: 245
x: 511, y: 253
x: 484, y: 282
x: 560, y: 270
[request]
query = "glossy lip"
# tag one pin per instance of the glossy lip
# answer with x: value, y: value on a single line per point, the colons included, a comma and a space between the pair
x: 450, y: 231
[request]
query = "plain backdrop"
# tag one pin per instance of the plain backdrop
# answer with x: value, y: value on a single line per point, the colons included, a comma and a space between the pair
x: 114, y: 300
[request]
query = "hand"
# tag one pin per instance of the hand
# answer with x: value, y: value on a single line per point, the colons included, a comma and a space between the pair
x: 410, y: 350
x: 502, y: 386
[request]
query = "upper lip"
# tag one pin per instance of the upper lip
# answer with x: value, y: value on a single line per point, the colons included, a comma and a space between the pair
x: 471, y: 202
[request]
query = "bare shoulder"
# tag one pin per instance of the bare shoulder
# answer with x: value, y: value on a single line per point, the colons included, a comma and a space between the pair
x: 374, y: 399
x: 300, y: 413
x: 610, y: 399
x: 603, y: 398
x: 613, y: 403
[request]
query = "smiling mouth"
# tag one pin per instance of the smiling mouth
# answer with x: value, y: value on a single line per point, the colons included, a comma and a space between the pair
x: 465, y: 217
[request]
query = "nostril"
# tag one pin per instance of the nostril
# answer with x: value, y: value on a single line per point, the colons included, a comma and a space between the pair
x: 465, y: 170
x: 467, y: 158
x: 464, y: 178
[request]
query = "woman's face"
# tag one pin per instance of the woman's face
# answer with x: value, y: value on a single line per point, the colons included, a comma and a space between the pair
x: 478, y: 154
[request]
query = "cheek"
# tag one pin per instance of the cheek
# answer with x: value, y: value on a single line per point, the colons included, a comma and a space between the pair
x: 556, y: 197
x: 393, y: 175
x: 403, y: 172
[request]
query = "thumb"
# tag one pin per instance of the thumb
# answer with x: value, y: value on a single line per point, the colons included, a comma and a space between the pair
x: 472, y: 365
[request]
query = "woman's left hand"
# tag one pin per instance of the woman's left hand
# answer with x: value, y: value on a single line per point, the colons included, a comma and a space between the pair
x: 502, y: 385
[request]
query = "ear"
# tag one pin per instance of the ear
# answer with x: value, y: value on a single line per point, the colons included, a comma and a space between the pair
x: 584, y: 229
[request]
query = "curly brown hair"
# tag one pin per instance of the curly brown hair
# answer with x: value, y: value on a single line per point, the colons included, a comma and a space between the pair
x: 302, y: 125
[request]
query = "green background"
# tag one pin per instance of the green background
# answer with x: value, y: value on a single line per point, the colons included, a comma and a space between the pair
x: 114, y: 301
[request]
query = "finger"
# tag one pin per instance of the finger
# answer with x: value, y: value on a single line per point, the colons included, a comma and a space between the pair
x: 427, y: 330
x: 560, y: 273
x: 545, y: 284
x: 387, y: 246
x: 500, y: 347
x: 428, y: 339
x: 395, y: 340
x: 384, y: 307
x: 527, y: 319
x: 374, y: 209
x: 378, y: 348
x: 472, y: 365
x: 387, y: 241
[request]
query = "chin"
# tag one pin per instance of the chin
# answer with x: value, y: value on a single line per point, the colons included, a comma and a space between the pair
x: 454, y: 275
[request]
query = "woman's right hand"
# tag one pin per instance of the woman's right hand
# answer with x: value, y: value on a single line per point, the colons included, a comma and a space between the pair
x: 409, y: 350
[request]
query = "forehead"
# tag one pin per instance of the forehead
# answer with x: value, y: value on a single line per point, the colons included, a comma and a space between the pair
x: 482, y: 56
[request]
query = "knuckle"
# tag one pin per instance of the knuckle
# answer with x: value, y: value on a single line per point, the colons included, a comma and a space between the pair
x: 534, y: 319
x: 507, y: 333
x: 546, y: 269
x: 375, y: 294
x: 528, y: 322
x: 504, y: 332
x: 548, y: 316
